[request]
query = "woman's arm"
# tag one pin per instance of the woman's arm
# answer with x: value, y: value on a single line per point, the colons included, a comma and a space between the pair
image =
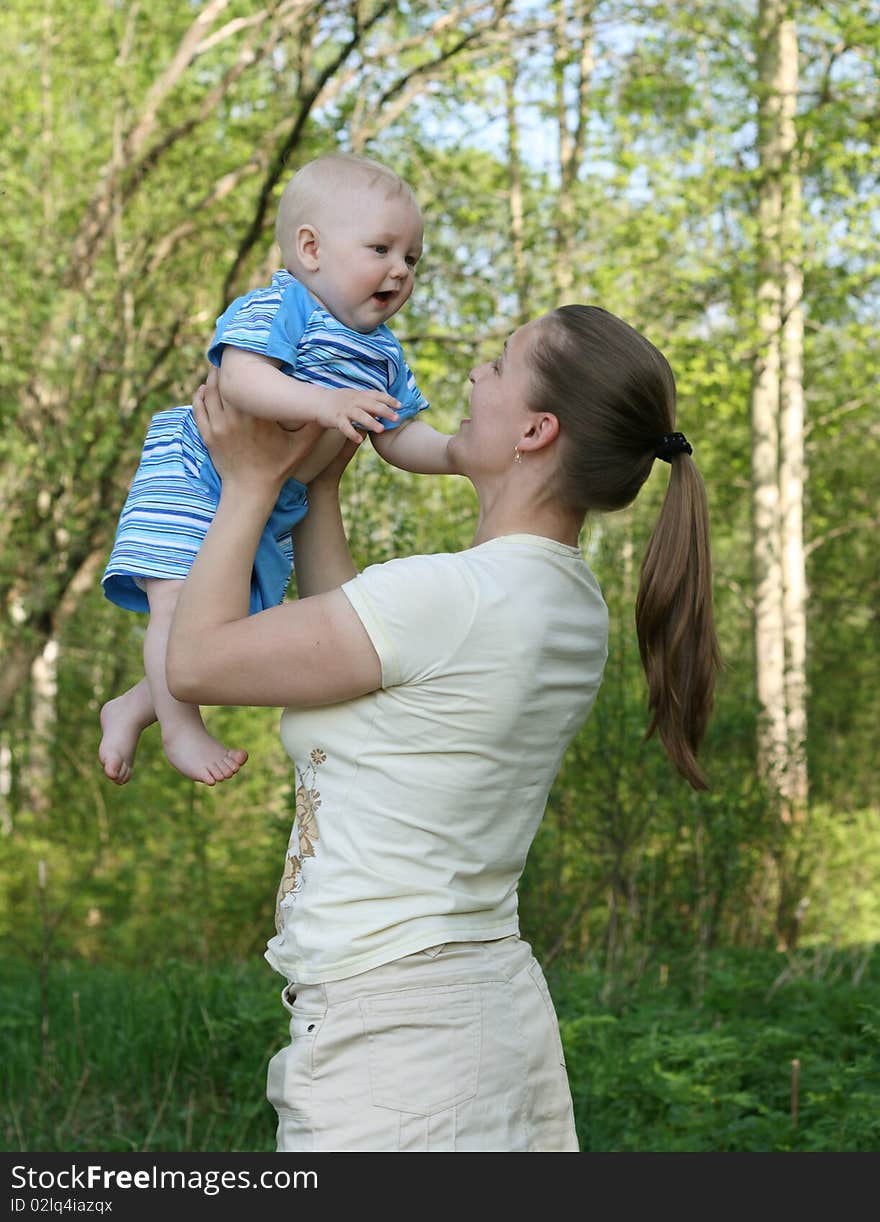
x: 312, y: 651
x: 321, y: 554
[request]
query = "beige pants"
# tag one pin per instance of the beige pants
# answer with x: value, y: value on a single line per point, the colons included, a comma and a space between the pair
x: 453, y: 1048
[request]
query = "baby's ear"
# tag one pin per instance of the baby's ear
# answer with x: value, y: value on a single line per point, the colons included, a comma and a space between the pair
x: 307, y: 247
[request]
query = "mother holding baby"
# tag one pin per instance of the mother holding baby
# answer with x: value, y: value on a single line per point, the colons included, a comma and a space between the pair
x: 428, y: 702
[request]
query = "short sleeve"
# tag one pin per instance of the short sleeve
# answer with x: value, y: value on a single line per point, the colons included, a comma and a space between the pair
x: 416, y: 612
x: 406, y: 391
x: 267, y: 320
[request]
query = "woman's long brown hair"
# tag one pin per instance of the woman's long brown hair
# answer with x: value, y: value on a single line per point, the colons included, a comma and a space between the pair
x: 613, y: 393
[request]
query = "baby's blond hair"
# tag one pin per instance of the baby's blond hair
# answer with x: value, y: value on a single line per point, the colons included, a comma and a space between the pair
x: 304, y: 195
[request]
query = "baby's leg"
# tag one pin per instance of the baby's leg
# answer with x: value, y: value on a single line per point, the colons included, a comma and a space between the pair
x: 187, y: 744
x: 122, y: 721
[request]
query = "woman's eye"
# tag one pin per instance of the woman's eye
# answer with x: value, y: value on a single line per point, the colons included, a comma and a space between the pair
x: 496, y: 364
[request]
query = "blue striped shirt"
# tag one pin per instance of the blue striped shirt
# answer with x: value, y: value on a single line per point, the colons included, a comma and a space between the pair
x: 283, y: 321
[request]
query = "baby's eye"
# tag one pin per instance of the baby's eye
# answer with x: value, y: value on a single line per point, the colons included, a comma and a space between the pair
x: 381, y: 250
x: 411, y: 260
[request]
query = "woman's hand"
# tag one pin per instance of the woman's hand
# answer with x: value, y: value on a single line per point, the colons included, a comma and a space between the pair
x: 246, y: 449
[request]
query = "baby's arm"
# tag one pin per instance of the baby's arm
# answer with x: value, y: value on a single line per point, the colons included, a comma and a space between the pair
x: 415, y: 446
x: 255, y: 385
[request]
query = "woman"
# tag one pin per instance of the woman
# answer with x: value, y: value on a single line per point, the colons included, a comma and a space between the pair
x: 428, y: 704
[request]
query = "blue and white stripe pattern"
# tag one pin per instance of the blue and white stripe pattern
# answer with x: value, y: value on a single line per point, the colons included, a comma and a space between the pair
x: 172, y: 500
x: 285, y: 322
x: 176, y: 488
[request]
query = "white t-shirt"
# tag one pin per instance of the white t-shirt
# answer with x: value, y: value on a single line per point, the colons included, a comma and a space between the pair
x: 416, y: 804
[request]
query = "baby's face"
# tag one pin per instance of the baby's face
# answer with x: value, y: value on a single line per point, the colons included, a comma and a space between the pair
x: 369, y: 242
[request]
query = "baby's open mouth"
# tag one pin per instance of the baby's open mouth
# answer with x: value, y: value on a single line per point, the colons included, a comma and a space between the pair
x: 383, y: 297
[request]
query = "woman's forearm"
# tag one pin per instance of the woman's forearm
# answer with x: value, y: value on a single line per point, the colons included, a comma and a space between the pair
x: 217, y: 589
x: 217, y: 652
x: 321, y: 555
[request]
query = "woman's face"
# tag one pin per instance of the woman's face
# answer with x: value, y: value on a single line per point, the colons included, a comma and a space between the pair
x: 499, y: 406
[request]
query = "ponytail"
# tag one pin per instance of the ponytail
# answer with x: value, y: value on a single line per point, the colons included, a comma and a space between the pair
x: 675, y: 623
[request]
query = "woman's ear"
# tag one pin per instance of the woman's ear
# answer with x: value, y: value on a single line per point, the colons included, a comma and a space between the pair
x: 542, y: 429
x: 307, y: 247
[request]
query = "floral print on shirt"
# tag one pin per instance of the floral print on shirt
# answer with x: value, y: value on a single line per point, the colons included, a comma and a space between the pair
x: 303, y: 835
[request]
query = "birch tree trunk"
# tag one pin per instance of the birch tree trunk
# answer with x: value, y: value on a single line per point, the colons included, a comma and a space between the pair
x: 770, y: 662
x: 791, y: 465
x: 6, y: 824
x: 41, y: 740
x: 778, y: 455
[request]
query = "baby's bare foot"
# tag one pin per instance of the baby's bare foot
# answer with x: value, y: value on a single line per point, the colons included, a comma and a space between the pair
x: 195, y: 753
x: 122, y: 721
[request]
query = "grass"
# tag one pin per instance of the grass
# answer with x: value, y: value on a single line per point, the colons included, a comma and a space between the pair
x: 132, y: 1062
x: 693, y: 1055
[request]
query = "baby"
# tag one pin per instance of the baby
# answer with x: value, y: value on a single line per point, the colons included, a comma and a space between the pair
x: 312, y: 346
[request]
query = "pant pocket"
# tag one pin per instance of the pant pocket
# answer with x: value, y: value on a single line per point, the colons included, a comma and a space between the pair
x: 423, y: 1047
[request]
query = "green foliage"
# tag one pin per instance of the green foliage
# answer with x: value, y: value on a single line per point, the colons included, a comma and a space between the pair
x: 686, y: 1054
x: 697, y: 1055
x: 842, y: 855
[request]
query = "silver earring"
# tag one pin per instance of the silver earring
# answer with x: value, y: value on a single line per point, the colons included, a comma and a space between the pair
x: 517, y: 457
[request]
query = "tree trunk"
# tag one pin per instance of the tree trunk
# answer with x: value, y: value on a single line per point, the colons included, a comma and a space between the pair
x: 6, y: 824
x: 41, y: 741
x: 791, y: 466
x: 766, y: 524
x: 778, y: 456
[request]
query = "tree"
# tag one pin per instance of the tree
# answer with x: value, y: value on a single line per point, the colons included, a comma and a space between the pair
x: 778, y: 423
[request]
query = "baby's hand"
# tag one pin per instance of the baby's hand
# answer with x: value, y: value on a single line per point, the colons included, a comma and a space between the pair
x: 343, y: 409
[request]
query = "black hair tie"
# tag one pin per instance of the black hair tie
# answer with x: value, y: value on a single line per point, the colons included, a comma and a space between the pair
x: 671, y: 444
